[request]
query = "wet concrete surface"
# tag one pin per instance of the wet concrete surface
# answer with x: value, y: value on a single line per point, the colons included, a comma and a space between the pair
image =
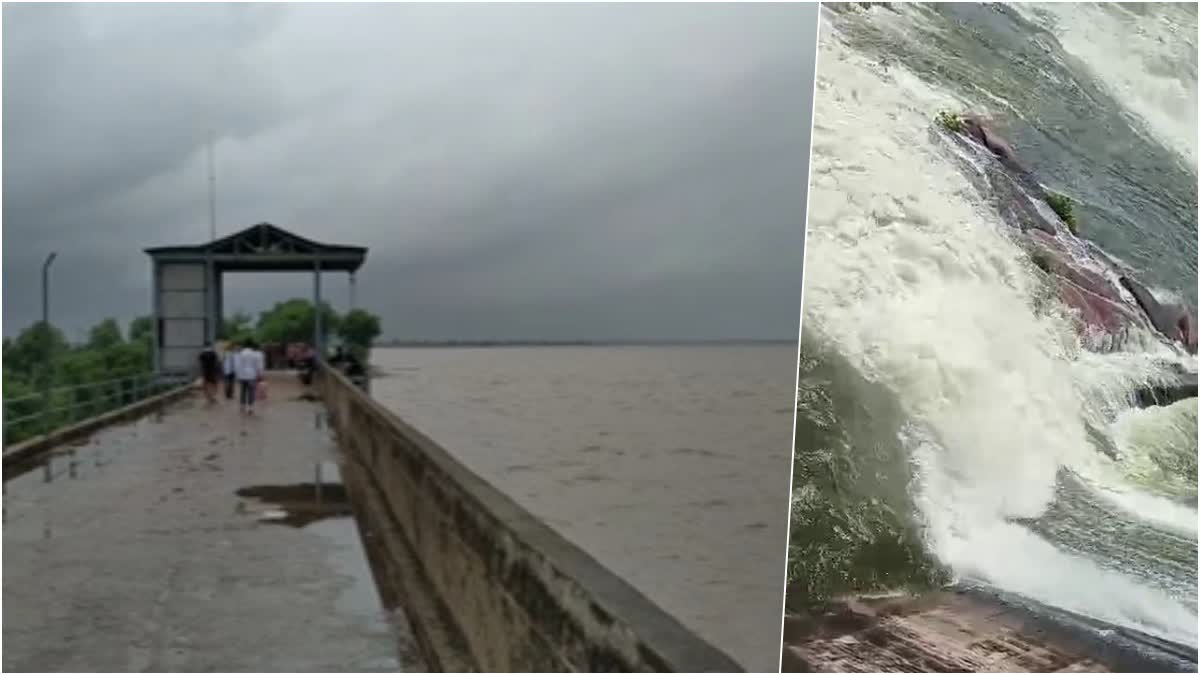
x: 949, y: 634
x: 134, y: 552
x: 964, y: 630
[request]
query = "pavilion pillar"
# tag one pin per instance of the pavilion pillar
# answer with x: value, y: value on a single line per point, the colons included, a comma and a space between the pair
x: 210, y: 297
x: 318, y: 343
x: 156, y: 314
x: 219, y: 294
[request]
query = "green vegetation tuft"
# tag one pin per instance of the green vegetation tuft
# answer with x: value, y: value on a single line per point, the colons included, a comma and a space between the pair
x: 1042, y: 260
x: 1062, y: 205
x: 950, y: 121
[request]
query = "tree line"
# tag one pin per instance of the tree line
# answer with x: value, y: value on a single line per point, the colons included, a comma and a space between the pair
x: 49, y: 382
x: 295, y: 321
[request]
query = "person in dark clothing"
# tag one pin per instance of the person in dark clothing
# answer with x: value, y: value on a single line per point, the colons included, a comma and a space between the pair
x: 353, y: 368
x: 308, y: 365
x: 339, y: 356
x: 210, y: 371
x: 228, y: 363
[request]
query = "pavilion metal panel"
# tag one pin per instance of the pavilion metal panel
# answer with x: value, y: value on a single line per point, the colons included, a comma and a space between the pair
x: 182, y: 277
x: 184, y: 304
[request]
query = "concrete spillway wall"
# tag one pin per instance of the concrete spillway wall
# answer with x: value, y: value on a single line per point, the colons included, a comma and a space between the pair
x: 488, y: 586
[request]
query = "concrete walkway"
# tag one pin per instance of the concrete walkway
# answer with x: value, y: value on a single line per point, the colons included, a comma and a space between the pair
x: 143, y: 557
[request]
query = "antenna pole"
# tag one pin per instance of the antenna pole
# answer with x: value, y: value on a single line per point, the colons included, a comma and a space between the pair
x: 212, y: 191
x: 211, y: 320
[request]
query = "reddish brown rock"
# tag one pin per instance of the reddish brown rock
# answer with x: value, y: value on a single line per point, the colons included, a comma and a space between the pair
x: 1102, y: 309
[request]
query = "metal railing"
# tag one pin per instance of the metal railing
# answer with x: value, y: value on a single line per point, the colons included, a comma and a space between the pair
x: 56, y: 407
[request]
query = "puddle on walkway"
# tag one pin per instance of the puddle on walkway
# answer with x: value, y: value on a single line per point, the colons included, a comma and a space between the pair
x: 323, y: 508
x: 51, y: 497
x: 299, y: 504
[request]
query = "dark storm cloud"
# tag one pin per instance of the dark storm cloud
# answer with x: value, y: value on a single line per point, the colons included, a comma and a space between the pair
x: 517, y: 171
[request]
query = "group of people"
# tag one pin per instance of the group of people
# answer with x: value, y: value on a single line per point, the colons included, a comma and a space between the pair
x: 244, y: 367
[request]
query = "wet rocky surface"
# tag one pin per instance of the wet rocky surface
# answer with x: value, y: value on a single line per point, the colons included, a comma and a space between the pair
x: 135, y: 551
x: 964, y: 630
x: 1108, y: 301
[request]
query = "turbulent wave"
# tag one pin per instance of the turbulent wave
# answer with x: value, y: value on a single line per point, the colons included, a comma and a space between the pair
x: 1145, y: 56
x: 1154, y: 442
x: 944, y: 397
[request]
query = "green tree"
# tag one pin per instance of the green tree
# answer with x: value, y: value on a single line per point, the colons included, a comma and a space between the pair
x: 52, y: 384
x: 35, y: 350
x: 141, y: 330
x: 129, y: 358
x: 240, y: 323
x: 21, y: 403
x: 293, y: 321
x: 105, y: 334
x: 358, y: 330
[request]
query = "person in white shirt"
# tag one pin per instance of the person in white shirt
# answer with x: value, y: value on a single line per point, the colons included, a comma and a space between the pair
x: 228, y: 367
x: 248, y: 366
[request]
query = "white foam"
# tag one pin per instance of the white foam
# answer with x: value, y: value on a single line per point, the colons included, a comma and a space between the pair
x: 1146, y: 58
x: 911, y: 275
x: 1011, y: 557
x: 1143, y: 436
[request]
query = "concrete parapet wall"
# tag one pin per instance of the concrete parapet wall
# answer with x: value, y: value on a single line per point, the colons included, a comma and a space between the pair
x: 33, y: 449
x: 503, y: 591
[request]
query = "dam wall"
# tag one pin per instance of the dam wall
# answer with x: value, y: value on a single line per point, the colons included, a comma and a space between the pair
x: 486, y: 585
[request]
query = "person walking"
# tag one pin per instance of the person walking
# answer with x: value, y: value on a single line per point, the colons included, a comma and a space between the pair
x: 209, y: 371
x: 248, y: 366
x: 230, y: 372
x: 308, y: 362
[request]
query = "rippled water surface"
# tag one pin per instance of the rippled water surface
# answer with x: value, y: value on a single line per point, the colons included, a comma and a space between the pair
x: 669, y: 464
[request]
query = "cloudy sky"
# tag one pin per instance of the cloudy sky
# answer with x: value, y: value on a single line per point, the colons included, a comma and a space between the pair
x: 550, y: 171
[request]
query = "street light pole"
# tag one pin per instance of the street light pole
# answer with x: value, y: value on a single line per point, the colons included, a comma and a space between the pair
x: 46, y: 289
x: 48, y: 366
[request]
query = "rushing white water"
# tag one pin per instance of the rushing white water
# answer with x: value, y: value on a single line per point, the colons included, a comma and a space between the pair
x: 910, y: 274
x: 1147, y: 439
x: 1147, y: 60
x: 969, y: 535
